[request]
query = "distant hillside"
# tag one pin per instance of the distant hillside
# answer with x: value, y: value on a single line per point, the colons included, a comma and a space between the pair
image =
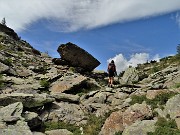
x: 153, y: 66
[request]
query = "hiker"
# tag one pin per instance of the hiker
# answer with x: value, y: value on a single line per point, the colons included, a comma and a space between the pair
x: 112, y: 73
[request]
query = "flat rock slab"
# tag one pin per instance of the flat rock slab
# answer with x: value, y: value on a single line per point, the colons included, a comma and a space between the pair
x: 67, y: 82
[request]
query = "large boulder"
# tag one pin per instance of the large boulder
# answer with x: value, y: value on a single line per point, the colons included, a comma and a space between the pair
x: 119, y: 120
x: 77, y: 57
x: 130, y: 76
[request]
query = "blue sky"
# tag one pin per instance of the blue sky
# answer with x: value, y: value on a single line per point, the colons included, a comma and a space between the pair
x: 129, y: 32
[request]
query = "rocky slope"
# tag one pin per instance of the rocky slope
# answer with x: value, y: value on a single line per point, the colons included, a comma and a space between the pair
x: 42, y: 95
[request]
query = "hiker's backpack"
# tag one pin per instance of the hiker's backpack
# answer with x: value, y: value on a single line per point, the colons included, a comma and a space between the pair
x: 111, y: 67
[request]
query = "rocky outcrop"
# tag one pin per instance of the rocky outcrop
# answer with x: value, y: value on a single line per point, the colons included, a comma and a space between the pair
x: 77, y: 57
x: 172, y: 108
x: 9, y: 31
x: 12, y: 121
x: 166, y: 78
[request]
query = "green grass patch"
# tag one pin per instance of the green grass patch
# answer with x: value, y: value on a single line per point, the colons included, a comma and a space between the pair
x: 118, y: 133
x: 61, y: 125
x: 165, y: 127
x: 158, y: 101
x: 177, y: 85
x: 94, y: 124
x: 1, y: 81
x: 8, y: 62
x: 45, y: 83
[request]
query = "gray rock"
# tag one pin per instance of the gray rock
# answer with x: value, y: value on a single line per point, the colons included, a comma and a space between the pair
x: 140, y: 128
x: 77, y: 56
x: 66, y: 97
x: 67, y: 82
x: 3, y: 68
x: 20, y: 128
x: 63, y: 111
x: 11, y: 111
x: 10, y: 118
x: 32, y: 119
x: 28, y: 100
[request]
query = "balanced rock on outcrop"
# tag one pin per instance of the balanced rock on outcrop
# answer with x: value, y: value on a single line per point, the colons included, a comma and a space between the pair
x: 77, y: 57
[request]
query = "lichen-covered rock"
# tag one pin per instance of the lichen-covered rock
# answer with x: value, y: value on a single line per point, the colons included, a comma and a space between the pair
x: 140, y: 128
x: 63, y: 111
x: 113, y: 124
x: 136, y: 112
x: 119, y: 120
x: 11, y: 120
x: 172, y: 107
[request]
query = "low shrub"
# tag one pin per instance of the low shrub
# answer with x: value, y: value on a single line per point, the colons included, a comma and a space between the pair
x: 177, y: 85
x: 118, y: 133
x: 8, y: 62
x: 45, y: 83
x: 1, y: 81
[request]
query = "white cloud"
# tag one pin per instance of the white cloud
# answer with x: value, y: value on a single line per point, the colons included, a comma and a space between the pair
x: 72, y: 15
x: 139, y: 58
